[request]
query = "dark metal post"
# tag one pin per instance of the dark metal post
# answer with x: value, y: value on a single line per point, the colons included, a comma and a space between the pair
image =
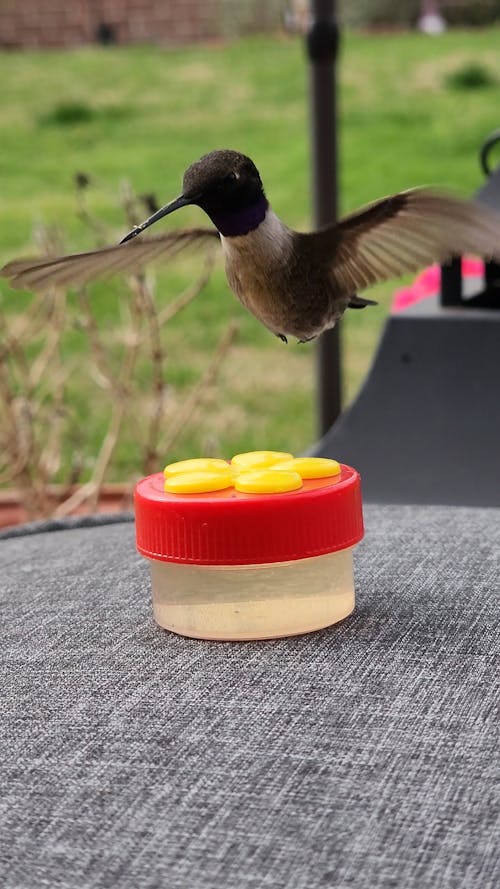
x: 451, y: 283
x: 322, y: 47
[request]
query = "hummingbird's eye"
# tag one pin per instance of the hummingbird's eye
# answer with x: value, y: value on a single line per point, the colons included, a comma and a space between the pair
x: 231, y: 177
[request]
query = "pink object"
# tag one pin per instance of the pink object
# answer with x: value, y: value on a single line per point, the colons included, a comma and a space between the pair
x: 428, y: 283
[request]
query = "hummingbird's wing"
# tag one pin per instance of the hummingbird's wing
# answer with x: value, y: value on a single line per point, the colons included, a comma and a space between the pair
x: 80, y: 268
x: 405, y: 232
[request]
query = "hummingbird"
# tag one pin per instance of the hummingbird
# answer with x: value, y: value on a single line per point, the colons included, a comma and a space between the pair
x: 295, y: 283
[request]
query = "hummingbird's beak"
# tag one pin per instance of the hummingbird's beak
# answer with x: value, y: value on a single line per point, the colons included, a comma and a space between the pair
x: 164, y: 211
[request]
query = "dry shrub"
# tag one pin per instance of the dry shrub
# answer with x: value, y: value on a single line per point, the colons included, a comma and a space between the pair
x: 38, y: 422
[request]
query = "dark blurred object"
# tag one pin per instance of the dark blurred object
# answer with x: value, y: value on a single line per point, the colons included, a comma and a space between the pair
x: 453, y: 290
x: 484, y: 155
x: 106, y: 34
x: 150, y: 202
x: 471, y: 75
x: 322, y: 44
x: 425, y: 427
x: 82, y: 180
x: 68, y: 114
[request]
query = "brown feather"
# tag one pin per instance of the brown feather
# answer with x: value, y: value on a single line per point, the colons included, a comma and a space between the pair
x: 405, y: 232
x: 80, y: 268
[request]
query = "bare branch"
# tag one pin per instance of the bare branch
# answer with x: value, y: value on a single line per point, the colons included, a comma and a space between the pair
x: 90, y: 491
x: 55, y: 330
x: 40, y: 430
x: 91, y: 221
x: 158, y: 384
x: 196, y: 394
x: 191, y: 292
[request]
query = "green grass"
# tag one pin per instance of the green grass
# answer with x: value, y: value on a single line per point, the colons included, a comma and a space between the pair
x: 143, y: 114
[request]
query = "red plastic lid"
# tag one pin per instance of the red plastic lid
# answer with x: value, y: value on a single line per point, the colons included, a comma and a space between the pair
x: 231, y: 528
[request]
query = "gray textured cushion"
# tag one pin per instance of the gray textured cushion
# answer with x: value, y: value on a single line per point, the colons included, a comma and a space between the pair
x: 358, y: 757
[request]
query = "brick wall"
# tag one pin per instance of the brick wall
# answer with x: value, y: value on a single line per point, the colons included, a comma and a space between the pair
x: 45, y: 23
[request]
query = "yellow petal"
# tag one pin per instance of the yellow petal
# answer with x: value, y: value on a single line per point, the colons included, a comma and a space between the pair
x: 259, y: 459
x: 198, y: 482
x: 311, y: 467
x: 267, y: 481
x: 197, y: 464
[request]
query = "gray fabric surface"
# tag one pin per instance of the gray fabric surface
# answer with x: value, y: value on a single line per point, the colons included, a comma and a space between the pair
x: 44, y: 525
x: 359, y: 757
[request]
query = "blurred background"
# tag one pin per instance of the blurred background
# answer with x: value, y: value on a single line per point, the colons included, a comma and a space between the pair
x: 104, y: 104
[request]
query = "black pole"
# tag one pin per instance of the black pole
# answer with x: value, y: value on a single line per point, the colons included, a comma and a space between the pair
x: 322, y: 48
x: 451, y: 283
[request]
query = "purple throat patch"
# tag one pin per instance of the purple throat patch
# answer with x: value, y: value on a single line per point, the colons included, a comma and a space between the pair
x: 232, y: 223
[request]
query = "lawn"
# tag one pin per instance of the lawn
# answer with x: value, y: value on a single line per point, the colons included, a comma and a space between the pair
x: 409, y: 115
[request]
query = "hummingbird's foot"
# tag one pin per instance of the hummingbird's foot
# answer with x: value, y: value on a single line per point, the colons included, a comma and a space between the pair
x: 307, y: 339
x: 282, y: 337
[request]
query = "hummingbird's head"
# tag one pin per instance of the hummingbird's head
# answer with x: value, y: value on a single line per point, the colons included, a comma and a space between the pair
x: 223, y: 181
x: 227, y: 186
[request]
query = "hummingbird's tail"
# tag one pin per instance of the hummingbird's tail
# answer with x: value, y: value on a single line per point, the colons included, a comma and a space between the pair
x: 359, y: 302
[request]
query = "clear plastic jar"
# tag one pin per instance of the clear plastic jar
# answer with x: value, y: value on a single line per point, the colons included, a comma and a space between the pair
x: 239, y: 602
